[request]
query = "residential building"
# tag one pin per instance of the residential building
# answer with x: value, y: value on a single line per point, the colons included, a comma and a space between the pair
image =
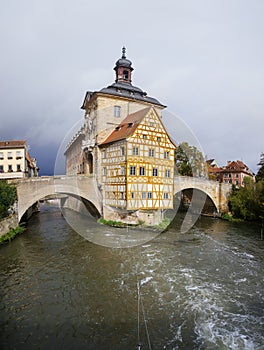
x: 235, y: 172
x: 213, y: 169
x: 15, y: 161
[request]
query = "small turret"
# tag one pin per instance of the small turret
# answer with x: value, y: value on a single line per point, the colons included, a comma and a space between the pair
x: 123, y: 69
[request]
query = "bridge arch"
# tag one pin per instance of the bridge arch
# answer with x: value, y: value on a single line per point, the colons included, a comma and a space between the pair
x: 198, y: 201
x: 32, y: 190
x: 216, y: 191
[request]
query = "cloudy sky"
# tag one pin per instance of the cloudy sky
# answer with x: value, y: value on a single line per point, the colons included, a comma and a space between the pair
x: 204, y: 59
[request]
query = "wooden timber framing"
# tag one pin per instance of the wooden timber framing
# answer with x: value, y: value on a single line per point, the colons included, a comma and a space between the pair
x: 138, y: 166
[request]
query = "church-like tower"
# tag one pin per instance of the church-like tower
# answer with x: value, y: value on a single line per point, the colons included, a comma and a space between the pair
x: 123, y: 69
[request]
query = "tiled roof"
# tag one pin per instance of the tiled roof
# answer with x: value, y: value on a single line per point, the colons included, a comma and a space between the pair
x: 12, y: 144
x: 127, y: 127
x: 129, y: 91
x: 236, y: 166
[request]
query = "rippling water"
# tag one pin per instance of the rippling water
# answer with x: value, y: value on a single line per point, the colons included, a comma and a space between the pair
x: 199, y: 290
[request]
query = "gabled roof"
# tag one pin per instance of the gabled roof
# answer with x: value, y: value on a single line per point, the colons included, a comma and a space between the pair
x: 236, y: 166
x: 127, y: 127
x: 12, y: 144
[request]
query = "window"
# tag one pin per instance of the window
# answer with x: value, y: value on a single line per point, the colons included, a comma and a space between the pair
x: 1, y: 168
x: 144, y: 195
x: 104, y: 171
x: 155, y: 172
x: 104, y: 154
x: 149, y: 195
x: 144, y: 136
x: 123, y: 170
x: 9, y: 155
x: 237, y: 176
x: 18, y: 155
x: 132, y: 195
x: 151, y: 152
x: 151, y: 124
x: 166, y: 195
x: 237, y: 183
x: 142, y: 171
x: 18, y: 167
x: 1, y: 155
x: 117, y: 111
x: 10, y: 169
x: 132, y: 170
x: 166, y: 154
x: 122, y: 151
x: 167, y: 173
x: 125, y: 74
x: 158, y: 138
x: 135, y: 151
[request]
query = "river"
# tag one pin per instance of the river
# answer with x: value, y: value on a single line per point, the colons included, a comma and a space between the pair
x: 199, y: 290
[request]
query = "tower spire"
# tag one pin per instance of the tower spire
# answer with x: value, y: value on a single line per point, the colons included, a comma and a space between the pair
x: 123, y: 69
x: 123, y: 52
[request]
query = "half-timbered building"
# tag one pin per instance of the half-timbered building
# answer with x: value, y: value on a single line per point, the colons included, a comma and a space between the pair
x: 138, y: 165
x: 125, y: 147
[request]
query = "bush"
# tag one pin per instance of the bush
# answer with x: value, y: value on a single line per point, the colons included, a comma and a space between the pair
x: 248, y: 202
x: 8, y: 196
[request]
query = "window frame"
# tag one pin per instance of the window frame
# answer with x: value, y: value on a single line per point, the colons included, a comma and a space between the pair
x: 142, y: 171
x: 155, y: 172
x: 151, y: 152
x: 133, y: 170
x: 117, y: 111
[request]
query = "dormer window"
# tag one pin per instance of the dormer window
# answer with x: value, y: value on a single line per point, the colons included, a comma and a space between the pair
x: 130, y: 125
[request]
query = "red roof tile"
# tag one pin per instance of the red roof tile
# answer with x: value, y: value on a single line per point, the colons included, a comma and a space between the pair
x: 12, y: 144
x: 127, y: 127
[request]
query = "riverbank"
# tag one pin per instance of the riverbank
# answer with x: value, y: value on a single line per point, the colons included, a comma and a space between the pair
x: 11, y: 234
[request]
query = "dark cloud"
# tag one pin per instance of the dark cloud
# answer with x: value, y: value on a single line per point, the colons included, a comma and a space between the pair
x: 204, y: 60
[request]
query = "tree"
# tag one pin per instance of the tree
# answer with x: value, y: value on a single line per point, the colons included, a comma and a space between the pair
x: 189, y: 161
x: 260, y: 174
x: 8, y: 197
x: 248, y: 202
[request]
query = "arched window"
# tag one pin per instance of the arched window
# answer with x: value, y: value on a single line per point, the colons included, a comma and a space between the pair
x: 125, y: 74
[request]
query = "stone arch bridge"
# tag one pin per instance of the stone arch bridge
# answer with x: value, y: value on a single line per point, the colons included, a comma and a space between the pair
x: 32, y: 190
x: 218, y: 192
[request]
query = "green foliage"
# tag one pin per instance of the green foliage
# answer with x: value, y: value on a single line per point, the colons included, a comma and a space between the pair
x: 112, y: 223
x: 12, y: 234
x: 248, y: 202
x: 8, y: 197
x: 164, y: 224
x: 260, y: 174
x: 189, y: 161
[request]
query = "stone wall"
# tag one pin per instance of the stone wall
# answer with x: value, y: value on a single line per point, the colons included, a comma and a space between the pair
x: 8, y: 223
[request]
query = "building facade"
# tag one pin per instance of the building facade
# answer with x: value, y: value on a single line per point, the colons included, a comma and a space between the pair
x: 235, y: 172
x: 15, y: 161
x: 126, y: 148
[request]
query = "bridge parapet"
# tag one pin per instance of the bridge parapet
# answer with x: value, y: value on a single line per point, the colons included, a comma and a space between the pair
x: 31, y: 190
